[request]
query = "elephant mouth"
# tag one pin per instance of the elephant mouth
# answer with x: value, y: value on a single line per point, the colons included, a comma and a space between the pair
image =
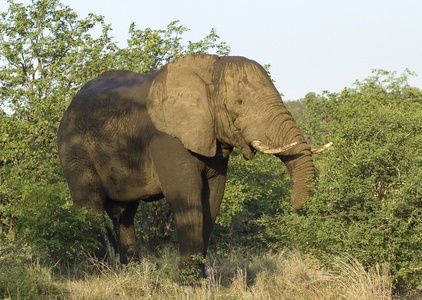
x: 263, y: 148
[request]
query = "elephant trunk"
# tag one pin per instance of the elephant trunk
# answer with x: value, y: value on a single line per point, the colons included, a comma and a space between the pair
x: 302, y: 174
x: 296, y: 155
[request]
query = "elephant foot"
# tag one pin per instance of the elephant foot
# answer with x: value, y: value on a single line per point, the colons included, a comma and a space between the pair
x: 190, y: 272
x: 129, y: 257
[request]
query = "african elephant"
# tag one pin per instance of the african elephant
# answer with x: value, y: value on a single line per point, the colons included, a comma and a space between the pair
x: 129, y: 137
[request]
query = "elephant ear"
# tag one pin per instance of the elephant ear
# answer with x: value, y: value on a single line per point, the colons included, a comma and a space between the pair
x: 179, y: 105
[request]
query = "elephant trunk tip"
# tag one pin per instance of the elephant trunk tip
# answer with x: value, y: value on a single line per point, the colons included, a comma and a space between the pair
x: 297, y: 204
x: 302, y: 191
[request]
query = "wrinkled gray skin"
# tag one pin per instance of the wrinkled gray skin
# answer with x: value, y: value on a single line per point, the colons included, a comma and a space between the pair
x: 129, y: 137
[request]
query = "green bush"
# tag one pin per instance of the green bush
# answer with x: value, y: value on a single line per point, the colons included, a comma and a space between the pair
x: 30, y: 282
x: 368, y: 201
x: 254, y: 189
x: 52, y: 226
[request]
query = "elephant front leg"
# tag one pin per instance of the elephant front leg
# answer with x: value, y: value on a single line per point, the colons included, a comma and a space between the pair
x: 189, y: 227
x: 181, y: 179
x: 185, y: 201
x: 195, y: 217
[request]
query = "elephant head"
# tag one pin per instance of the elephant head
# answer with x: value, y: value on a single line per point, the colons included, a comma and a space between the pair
x: 206, y: 98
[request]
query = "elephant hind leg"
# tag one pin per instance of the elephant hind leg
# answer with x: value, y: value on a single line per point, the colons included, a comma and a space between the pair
x: 87, y: 191
x: 123, y: 215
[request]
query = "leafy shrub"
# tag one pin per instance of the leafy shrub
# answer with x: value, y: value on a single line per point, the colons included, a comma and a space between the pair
x: 254, y: 189
x: 52, y: 226
x: 367, y: 203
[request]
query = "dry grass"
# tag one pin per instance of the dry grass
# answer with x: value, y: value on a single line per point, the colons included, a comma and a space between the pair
x: 272, y: 276
x: 287, y: 275
x: 357, y: 283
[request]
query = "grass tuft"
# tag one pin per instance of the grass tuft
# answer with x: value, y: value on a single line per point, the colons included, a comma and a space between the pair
x: 360, y: 284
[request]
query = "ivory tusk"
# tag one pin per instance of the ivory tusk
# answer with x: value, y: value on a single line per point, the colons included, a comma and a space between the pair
x: 319, y: 149
x: 259, y: 146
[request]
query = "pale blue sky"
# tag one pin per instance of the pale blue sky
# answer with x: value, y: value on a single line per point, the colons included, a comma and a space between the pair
x: 311, y: 45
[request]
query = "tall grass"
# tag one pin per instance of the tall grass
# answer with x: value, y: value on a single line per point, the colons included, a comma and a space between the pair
x: 268, y: 276
x: 357, y: 283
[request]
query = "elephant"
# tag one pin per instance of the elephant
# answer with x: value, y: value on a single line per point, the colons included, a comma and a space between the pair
x: 128, y: 137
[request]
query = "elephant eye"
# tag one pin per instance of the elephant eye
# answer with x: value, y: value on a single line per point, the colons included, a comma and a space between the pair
x: 239, y: 102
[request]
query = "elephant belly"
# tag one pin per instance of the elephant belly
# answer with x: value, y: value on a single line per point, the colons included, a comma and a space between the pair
x: 126, y: 184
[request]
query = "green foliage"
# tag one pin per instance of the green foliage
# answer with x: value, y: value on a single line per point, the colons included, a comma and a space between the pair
x: 55, y: 230
x: 256, y: 188
x: 154, y: 225
x: 367, y: 203
x: 43, y: 48
x: 148, y: 50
